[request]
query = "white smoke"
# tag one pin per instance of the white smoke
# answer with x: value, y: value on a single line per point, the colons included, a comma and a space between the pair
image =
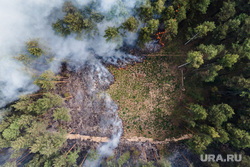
x: 22, y: 21
x: 106, y: 149
x: 25, y: 20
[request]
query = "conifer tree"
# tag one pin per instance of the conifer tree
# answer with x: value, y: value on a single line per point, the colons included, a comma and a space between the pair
x: 195, y: 58
x: 131, y: 24
x: 112, y: 34
x: 45, y: 80
x: 61, y: 114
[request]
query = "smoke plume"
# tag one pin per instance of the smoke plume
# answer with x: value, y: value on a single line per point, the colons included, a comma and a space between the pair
x: 22, y: 21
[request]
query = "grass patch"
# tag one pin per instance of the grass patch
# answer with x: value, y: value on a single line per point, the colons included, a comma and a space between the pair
x: 146, y: 94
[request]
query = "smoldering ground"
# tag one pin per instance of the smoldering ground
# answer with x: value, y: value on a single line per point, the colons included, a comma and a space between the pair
x: 26, y: 20
x: 22, y: 21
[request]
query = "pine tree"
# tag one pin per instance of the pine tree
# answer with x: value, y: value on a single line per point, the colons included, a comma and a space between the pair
x: 239, y: 138
x: 123, y: 158
x: 198, y: 112
x: 204, y: 28
x: 111, y: 34
x: 22, y: 142
x: 45, y: 80
x: 212, y: 73
x: 171, y: 27
x: 72, y: 157
x: 199, y: 143
x: 195, y: 58
x: 61, y: 114
x: 220, y: 113
x: 227, y: 11
x: 48, y: 143
x: 159, y: 6
x: 74, y: 22
x: 59, y: 161
x: 224, y: 136
x: 33, y: 48
x: 144, y: 36
x: 209, y: 130
x: 168, y: 13
x: 131, y: 24
x: 202, y: 5
x: 68, y: 7
x: 12, y: 132
x: 145, y: 11
x: 210, y: 51
x: 4, y: 143
x: 152, y: 25
x: 229, y: 60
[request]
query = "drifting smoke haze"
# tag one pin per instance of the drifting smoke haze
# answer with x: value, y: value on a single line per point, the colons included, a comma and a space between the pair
x: 22, y: 21
x: 26, y: 20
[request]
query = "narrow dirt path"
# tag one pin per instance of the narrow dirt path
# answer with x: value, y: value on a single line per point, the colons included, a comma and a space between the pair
x: 132, y: 139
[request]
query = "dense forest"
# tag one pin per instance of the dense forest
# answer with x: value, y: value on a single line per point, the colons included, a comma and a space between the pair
x: 215, y: 109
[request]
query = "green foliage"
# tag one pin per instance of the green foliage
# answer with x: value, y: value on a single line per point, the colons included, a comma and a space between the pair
x: 227, y: 11
x: 96, y: 17
x: 45, y: 80
x: 12, y: 132
x: 209, y: 130
x: 60, y: 161
x: 48, y: 143
x: 21, y: 142
x: 33, y: 48
x: 26, y: 59
x: 45, y: 103
x: 6, y: 122
x: 131, y: 24
x: 199, y: 143
x: 112, y: 34
x: 74, y: 22
x: 210, y: 51
x: 4, y: 143
x: 171, y: 27
x: 164, y: 163
x: 61, y: 114
x: 71, y: 157
x: 212, y: 73
x: 152, y: 25
x: 181, y: 14
x: 168, y: 13
x: 204, y: 28
x: 220, y: 113
x: 159, y: 6
x: 37, y: 160
x: 37, y: 128
x: 224, y: 136
x: 123, y: 158
x: 195, y: 58
x: 58, y: 26
x: 239, y: 138
x: 202, y: 6
x: 68, y: 7
x: 229, y: 60
x: 244, y: 49
x: 144, y: 36
x: 145, y: 11
x: 198, y: 112
x: 238, y: 83
x: 93, y: 155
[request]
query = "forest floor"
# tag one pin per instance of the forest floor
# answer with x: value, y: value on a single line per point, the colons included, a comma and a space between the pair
x: 146, y: 94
